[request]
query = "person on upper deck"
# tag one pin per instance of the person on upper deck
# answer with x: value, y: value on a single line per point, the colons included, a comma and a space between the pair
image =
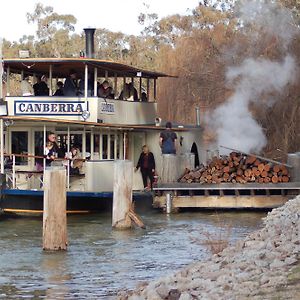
x: 129, y: 93
x: 26, y: 88
x: 70, y: 85
x: 41, y: 87
x: 90, y: 87
x: 144, y: 97
x: 60, y: 89
x: 167, y: 140
x: 105, y: 91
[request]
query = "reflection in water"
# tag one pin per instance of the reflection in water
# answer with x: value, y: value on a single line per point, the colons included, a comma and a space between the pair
x: 100, y: 261
x: 55, y: 274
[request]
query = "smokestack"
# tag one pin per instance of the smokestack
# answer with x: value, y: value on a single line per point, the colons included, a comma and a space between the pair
x: 89, y: 42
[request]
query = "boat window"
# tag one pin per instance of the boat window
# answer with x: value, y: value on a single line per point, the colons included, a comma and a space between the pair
x: 38, y: 144
x: 118, y: 146
x: 20, y: 146
x: 88, y: 142
x: 112, y: 146
x: 104, y: 146
x: 96, y: 149
x: 75, y: 141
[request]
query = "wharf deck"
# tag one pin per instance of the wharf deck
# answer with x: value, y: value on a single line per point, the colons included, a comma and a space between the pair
x: 224, y: 196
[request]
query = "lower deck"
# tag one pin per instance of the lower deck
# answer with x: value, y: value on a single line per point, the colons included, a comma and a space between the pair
x: 176, y: 196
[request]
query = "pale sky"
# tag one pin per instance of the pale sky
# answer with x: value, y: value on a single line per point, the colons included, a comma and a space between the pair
x: 115, y: 15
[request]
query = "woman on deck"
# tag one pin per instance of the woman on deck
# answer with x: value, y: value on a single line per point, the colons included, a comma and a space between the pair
x: 147, y: 165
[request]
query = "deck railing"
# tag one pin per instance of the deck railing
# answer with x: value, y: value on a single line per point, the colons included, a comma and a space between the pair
x: 14, y: 171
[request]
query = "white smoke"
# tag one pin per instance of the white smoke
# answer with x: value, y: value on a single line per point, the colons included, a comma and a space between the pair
x: 234, y: 124
x: 270, y: 17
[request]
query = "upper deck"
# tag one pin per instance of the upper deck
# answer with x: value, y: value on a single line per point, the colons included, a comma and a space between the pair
x: 88, y: 105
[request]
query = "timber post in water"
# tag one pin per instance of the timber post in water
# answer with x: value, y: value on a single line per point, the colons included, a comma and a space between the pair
x: 55, y: 206
x: 122, y: 198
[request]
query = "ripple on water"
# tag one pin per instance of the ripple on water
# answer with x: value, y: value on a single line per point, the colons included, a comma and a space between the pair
x: 100, y: 261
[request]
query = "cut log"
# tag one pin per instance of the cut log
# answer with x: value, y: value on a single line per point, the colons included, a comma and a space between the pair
x: 238, y: 168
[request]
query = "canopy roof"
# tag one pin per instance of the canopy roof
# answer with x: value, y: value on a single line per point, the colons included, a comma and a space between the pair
x: 61, y: 67
x: 30, y: 119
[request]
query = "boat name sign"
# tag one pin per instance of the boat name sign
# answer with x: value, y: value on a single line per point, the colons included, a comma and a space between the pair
x: 61, y: 108
x: 107, y: 108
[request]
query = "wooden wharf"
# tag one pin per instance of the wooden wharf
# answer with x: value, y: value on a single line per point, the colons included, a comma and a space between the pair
x: 223, y: 196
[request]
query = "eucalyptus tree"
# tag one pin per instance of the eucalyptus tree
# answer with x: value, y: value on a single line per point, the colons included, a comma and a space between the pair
x: 53, y: 34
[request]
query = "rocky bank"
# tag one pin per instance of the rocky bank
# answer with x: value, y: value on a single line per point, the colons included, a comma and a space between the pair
x: 265, y: 265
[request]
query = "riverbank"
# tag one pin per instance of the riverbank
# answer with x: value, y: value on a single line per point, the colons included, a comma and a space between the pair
x: 262, y: 266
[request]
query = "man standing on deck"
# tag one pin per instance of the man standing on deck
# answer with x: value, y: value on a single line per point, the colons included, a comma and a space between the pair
x: 70, y: 85
x: 167, y: 140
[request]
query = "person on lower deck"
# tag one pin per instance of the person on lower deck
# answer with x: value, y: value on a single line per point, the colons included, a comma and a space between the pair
x: 75, y: 159
x: 146, y: 163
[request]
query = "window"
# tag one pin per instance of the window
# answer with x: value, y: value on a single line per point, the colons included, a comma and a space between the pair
x: 104, y: 146
x: 20, y: 146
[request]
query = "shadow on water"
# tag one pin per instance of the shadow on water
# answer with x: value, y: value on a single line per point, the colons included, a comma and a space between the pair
x: 100, y: 261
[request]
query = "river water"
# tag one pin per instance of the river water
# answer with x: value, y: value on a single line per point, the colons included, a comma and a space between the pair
x: 101, y: 261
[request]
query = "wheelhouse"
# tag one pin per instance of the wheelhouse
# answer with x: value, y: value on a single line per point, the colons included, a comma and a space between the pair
x: 87, y: 106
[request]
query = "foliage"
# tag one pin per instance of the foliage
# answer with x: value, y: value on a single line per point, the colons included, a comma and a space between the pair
x: 197, y: 47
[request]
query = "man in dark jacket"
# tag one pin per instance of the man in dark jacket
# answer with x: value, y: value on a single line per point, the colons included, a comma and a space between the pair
x: 167, y: 140
x: 70, y: 85
x: 147, y: 165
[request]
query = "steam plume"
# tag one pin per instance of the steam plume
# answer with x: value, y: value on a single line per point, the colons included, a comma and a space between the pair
x: 234, y: 124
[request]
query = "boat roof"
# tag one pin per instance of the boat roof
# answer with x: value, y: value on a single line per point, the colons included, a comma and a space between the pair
x: 94, y: 124
x: 61, y: 67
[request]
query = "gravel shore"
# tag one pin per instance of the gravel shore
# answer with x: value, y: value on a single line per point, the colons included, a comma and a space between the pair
x: 265, y: 265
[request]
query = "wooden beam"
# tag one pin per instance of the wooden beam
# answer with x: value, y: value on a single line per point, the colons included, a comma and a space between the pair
x: 223, y: 202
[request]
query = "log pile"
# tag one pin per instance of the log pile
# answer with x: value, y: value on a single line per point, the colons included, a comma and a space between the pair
x: 237, y: 168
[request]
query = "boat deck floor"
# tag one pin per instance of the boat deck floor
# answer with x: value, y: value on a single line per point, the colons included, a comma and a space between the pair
x: 227, y: 186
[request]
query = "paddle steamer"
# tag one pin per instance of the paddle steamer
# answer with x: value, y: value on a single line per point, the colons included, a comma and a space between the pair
x: 104, y: 129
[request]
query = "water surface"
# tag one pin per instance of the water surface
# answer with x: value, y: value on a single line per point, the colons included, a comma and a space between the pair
x: 99, y: 260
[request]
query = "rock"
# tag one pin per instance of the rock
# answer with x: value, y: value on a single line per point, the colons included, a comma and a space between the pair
x: 185, y: 296
x: 277, y: 264
x: 163, y: 291
x: 260, y: 262
x: 174, y: 294
x: 264, y: 279
x: 290, y: 261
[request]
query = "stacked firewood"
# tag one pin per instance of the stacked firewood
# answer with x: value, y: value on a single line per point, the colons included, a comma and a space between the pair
x: 237, y: 168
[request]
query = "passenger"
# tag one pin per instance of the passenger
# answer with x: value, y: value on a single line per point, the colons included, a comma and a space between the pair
x: 40, y: 150
x: 76, y: 162
x: 129, y: 92
x: 167, y: 140
x: 105, y: 91
x: 36, y: 86
x: 26, y: 88
x: 50, y: 153
x: 52, y: 138
x: 70, y: 85
x: 90, y: 86
x: 144, y: 97
x: 41, y: 87
x: 147, y: 165
x: 8, y: 161
x: 60, y: 89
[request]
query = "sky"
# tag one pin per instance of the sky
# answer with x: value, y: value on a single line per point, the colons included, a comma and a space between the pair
x: 114, y: 15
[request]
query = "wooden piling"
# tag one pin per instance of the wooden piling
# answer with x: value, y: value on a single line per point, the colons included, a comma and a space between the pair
x: 122, y: 198
x: 54, y: 215
x: 168, y: 203
x: 169, y: 168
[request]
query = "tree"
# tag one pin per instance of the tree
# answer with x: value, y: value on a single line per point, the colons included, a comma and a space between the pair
x: 53, y: 31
